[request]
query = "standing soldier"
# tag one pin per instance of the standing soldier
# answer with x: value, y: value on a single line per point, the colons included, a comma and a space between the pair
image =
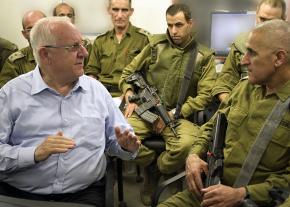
x: 6, y: 49
x: 116, y: 48
x: 23, y: 60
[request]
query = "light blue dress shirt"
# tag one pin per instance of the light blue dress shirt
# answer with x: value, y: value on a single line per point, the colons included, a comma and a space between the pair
x: 30, y: 111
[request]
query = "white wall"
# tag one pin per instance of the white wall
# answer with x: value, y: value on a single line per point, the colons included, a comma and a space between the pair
x: 91, y: 16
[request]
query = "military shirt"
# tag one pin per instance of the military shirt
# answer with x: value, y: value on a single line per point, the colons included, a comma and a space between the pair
x: 247, y: 109
x: 6, y: 49
x: 17, y: 63
x: 164, y: 64
x: 232, y: 70
x: 109, y: 57
x: 88, y: 45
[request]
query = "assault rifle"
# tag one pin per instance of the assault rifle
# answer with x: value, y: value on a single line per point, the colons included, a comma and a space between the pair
x: 279, y: 195
x: 215, y: 155
x: 148, y: 99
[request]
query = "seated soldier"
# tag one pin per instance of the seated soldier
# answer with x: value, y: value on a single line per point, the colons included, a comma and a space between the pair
x: 23, y: 60
x: 257, y: 111
x: 116, y: 48
x: 164, y: 62
x: 232, y: 70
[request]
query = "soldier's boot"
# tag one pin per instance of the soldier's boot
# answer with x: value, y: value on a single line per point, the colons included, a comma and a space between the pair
x: 150, y: 183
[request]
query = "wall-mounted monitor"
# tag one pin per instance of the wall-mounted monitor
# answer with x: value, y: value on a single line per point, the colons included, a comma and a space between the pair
x: 226, y: 26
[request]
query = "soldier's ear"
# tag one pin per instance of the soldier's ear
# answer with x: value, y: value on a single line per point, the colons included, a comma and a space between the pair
x: 25, y: 34
x: 132, y: 11
x: 281, y: 58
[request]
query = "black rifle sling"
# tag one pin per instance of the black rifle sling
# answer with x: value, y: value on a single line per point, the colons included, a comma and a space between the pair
x: 186, y: 79
x: 255, y: 154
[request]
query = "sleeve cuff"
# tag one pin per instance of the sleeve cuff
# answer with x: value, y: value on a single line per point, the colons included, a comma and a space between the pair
x: 26, y: 157
x: 126, y: 155
x: 197, y: 150
x: 186, y: 110
x: 126, y: 87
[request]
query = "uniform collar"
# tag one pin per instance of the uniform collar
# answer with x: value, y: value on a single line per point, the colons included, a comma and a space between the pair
x: 189, y: 44
x: 129, y: 31
x: 282, y: 93
x: 38, y: 84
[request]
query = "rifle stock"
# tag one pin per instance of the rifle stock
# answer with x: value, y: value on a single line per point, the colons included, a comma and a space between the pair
x: 149, y: 99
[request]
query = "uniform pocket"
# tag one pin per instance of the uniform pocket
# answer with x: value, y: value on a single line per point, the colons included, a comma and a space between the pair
x: 236, y: 116
x: 107, y: 61
x: 276, y: 156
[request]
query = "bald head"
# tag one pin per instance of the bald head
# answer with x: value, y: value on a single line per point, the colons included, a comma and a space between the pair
x: 28, y: 21
x: 31, y: 16
x: 275, y: 34
x: 267, y: 56
x: 64, y: 9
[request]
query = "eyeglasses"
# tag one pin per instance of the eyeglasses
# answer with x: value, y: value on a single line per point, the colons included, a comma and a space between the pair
x: 71, y: 48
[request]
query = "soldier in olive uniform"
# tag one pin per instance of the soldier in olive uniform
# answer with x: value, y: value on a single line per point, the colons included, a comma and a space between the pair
x: 65, y: 10
x: 21, y: 61
x: 232, y: 70
x: 6, y: 49
x: 116, y: 48
x: 248, y: 108
x: 164, y: 62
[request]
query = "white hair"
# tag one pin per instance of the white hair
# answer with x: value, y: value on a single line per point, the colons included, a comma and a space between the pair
x: 42, y: 33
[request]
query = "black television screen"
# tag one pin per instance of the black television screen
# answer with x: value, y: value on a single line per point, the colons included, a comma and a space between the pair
x: 226, y: 26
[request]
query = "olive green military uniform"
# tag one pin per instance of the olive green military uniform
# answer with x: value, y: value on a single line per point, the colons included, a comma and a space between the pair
x: 88, y: 45
x: 246, y: 109
x: 18, y: 63
x: 109, y: 57
x: 232, y: 70
x: 6, y: 49
x: 164, y: 64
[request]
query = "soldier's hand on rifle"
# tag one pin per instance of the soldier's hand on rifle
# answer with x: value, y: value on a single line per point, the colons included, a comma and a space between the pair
x: 127, y: 140
x: 159, y: 126
x: 222, y: 196
x: 130, y: 107
x: 194, y: 168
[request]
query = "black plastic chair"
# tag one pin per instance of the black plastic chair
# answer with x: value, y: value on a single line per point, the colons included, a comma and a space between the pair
x: 114, y: 170
x: 200, y: 118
